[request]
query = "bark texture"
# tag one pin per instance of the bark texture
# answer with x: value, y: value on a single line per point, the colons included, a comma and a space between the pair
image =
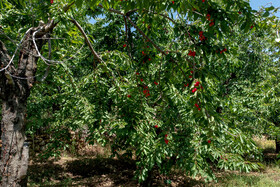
x: 14, y: 93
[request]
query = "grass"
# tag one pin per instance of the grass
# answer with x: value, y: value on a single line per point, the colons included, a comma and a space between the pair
x: 269, y: 177
x: 268, y: 146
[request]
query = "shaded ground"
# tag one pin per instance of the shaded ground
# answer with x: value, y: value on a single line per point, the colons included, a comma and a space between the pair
x: 95, y: 172
x: 99, y: 172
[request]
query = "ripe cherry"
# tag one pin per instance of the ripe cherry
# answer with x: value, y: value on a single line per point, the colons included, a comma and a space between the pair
x: 194, y: 90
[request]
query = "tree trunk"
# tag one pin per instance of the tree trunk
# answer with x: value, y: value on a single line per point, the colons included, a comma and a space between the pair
x: 14, y: 155
x: 14, y: 93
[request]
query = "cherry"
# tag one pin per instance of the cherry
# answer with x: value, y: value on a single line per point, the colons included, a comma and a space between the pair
x: 194, y: 90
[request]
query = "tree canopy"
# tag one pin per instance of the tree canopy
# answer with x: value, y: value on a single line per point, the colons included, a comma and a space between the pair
x: 176, y: 84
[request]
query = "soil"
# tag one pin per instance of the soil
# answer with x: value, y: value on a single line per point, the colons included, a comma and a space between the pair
x: 98, y: 172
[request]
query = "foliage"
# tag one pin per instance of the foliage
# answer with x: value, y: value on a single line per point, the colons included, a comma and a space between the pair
x: 164, y: 91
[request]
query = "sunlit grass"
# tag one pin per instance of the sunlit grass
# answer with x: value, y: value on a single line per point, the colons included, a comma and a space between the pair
x: 268, y: 146
x: 269, y: 177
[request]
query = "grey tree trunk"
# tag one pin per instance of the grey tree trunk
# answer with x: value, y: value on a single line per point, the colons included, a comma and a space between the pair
x: 14, y: 93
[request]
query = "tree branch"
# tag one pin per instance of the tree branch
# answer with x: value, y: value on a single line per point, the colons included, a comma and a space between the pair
x: 87, y: 40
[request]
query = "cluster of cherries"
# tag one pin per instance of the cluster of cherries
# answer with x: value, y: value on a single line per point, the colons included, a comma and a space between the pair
x: 201, y: 36
x: 208, y: 17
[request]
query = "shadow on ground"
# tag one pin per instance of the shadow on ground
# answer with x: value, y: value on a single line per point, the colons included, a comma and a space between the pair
x: 96, y: 172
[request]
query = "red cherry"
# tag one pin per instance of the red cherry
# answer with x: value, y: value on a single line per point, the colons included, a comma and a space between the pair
x: 209, y: 141
x: 156, y: 126
x: 173, y: 2
x: 149, y: 59
x: 196, y: 105
x: 129, y: 96
x: 166, y: 141
x: 137, y: 73
x: 165, y: 136
x: 199, y: 109
x: 194, y: 90
x: 190, y: 76
x: 197, y: 83
x: 143, y: 52
x: 251, y: 26
x: 211, y: 24
x: 239, y: 12
x: 191, y: 72
x: 142, y: 80
x: 191, y: 53
x: 124, y: 45
x: 203, y: 1
x: 208, y: 16
x: 51, y: 1
x: 156, y: 83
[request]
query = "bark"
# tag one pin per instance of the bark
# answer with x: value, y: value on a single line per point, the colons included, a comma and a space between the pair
x: 14, y: 93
